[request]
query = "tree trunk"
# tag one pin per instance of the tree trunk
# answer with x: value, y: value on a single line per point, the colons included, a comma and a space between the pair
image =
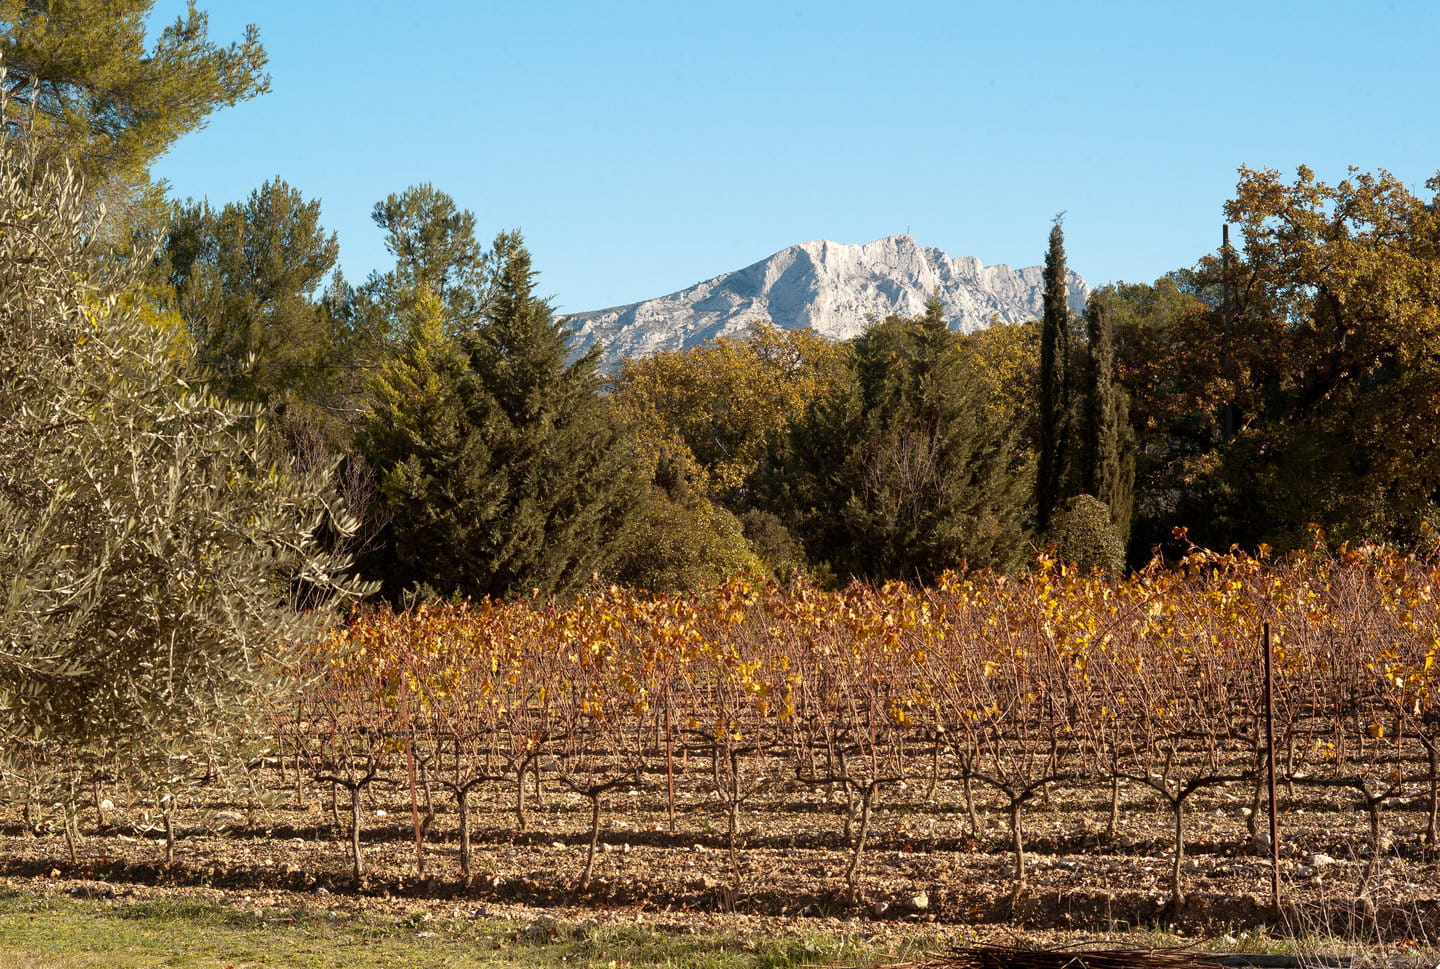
x: 520, y: 816
x: 1372, y: 805
x: 1177, y: 891
x: 1434, y: 815
x: 167, y: 814
x: 867, y: 795
x: 970, y: 808
x: 594, y: 842
x: 356, y: 857
x: 1017, y: 848
x: 462, y: 811
x: 72, y: 829
x: 1112, y: 826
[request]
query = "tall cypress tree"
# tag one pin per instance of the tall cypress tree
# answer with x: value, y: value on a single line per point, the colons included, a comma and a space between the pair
x: 1053, y: 467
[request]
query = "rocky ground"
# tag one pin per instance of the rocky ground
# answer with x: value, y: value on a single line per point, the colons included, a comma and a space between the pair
x: 923, y: 869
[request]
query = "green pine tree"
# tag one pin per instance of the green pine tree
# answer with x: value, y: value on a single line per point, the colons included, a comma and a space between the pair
x: 434, y: 245
x: 247, y: 281
x: 98, y: 97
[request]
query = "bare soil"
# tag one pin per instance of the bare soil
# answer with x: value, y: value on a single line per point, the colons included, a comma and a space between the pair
x: 922, y: 870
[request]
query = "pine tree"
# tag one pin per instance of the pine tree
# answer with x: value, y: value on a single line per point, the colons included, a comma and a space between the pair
x: 435, y: 249
x: 96, y: 97
x: 898, y: 474
x: 247, y: 281
x: 1050, y: 478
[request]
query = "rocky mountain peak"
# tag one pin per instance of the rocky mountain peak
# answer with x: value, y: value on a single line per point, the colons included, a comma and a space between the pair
x: 834, y: 288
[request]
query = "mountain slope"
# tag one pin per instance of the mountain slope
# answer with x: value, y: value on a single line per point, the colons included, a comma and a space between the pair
x: 831, y: 287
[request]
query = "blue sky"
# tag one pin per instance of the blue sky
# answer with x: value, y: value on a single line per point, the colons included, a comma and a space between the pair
x: 644, y: 146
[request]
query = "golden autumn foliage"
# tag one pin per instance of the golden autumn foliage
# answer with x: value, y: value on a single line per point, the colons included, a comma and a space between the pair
x: 725, y: 399
x: 1009, y: 683
x: 970, y: 648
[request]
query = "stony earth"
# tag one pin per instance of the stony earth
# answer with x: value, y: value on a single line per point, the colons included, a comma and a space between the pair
x: 834, y: 288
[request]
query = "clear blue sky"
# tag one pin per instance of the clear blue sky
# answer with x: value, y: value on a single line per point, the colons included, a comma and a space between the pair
x: 644, y: 146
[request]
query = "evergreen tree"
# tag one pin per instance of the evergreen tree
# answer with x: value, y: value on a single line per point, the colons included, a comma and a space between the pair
x: 1105, y: 440
x: 435, y: 249
x: 501, y: 469
x: 247, y: 281
x: 572, y: 490
x: 432, y: 463
x: 95, y: 96
x: 898, y: 474
x: 1053, y: 471
x: 1087, y: 447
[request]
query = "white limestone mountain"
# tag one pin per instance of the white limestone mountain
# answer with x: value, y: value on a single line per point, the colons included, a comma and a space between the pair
x: 834, y: 288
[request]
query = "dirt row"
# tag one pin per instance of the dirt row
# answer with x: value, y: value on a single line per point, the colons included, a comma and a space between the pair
x: 922, y: 864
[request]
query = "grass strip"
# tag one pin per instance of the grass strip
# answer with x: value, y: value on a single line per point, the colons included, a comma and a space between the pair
x: 69, y: 933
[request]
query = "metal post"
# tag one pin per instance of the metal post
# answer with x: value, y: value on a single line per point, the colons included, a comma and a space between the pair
x: 1270, y: 771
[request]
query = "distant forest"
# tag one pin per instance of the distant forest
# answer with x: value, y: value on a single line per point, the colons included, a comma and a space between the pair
x: 1282, y: 392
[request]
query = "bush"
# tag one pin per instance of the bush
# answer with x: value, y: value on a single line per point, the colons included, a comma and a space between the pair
x: 1082, y: 534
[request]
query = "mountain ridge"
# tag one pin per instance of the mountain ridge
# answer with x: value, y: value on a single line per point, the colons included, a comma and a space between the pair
x: 834, y: 288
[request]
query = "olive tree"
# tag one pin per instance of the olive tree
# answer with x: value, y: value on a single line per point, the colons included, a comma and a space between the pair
x: 159, y: 555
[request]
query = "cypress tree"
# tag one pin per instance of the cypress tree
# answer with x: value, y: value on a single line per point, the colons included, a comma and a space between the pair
x: 1053, y: 468
x: 1107, y: 441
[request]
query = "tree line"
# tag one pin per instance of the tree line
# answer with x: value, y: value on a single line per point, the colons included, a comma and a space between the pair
x: 1222, y: 399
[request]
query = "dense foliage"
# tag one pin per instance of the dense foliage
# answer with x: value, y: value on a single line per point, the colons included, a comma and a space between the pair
x: 897, y: 472
x: 501, y: 471
x: 95, y: 96
x: 157, y: 548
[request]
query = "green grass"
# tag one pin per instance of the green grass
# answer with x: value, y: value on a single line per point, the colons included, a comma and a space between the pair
x: 68, y: 933
x: 62, y: 932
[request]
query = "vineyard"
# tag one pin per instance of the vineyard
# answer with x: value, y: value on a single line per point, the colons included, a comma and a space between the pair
x: 1053, y: 748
